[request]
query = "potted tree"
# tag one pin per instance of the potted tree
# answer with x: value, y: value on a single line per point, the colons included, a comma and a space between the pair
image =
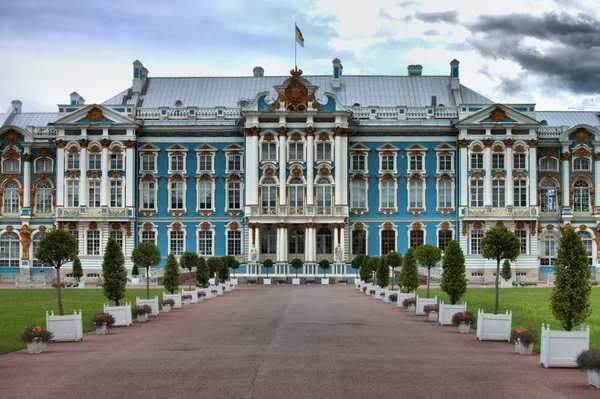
x: 223, y: 274
x: 383, y: 277
x: 189, y: 261
x: 428, y: 256
x: 135, y: 274
x: 78, y: 273
x: 296, y: 265
x: 356, y: 263
x: 147, y: 255
x: 394, y: 260
x: 233, y: 264
x: 590, y: 360
x: 506, y: 275
x: 102, y: 322
x: 454, y: 282
x: 267, y: 264
x: 408, y: 278
x: 114, y: 277
x: 570, y: 304
x: 171, y: 281
x: 325, y: 265
x: 498, y: 243
x: 202, y: 277
x: 365, y: 274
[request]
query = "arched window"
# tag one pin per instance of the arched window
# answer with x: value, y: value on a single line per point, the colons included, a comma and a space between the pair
x: 586, y: 237
x: 388, y: 241
x: 11, y: 202
x: 9, y: 250
x: 548, y: 196
x: 323, y: 151
x: 37, y: 237
x: 324, y: 241
x: 549, y: 249
x: 268, y: 240
x: 581, y: 196
x: 10, y: 165
x: 549, y: 164
x: 43, y: 165
x: 581, y: 164
x: 269, y: 193
x: 296, y: 199
x: 324, y: 199
x: 296, y: 240
x: 43, y: 197
x: 359, y: 242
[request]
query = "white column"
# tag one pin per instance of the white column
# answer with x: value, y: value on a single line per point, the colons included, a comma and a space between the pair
x: 487, y: 165
x: 60, y: 173
x: 342, y: 239
x: 338, y: 169
x: 463, y: 182
x: 508, y: 165
x: 533, y: 180
x: 310, y: 244
x: 282, y: 168
x: 104, y: 181
x: 310, y: 167
x: 597, y: 177
x: 83, y: 180
x: 129, y: 173
x: 344, y: 167
x: 252, y: 164
x: 565, y: 177
x: 26, y: 179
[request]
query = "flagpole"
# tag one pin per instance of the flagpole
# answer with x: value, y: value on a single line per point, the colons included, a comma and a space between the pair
x: 295, y: 47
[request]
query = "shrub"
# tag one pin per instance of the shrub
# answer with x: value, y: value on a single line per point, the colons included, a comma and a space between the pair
x: 267, y: 264
x: 214, y: 267
x: 358, y: 261
x: 410, y: 273
x: 428, y: 256
x: 393, y: 297
x: 383, y: 272
x: 146, y: 254
x: 142, y: 310
x: 325, y: 265
x: 365, y: 272
x: 202, y: 276
x: 462, y: 317
x: 103, y: 318
x: 296, y: 265
x: 372, y: 292
x: 114, y: 273
x: 311, y: 281
x: 454, y: 282
x: 171, y: 274
x: 168, y: 302
x: 252, y: 281
x: 527, y: 336
x: 135, y: 271
x: 394, y: 260
x: 36, y: 333
x: 589, y: 359
x: 506, y: 273
x: 77, y: 269
x: 189, y: 260
x: 431, y: 308
x: 409, y: 302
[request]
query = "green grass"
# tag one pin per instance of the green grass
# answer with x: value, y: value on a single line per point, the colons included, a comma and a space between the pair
x: 22, y: 308
x: 530, y: 307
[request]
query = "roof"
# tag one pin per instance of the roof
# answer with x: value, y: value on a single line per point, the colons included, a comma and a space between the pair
x: 569, y: 118
x: 408, y: 122
x: 383, y: 91
x: 30, y: 119
x: 194, y: 122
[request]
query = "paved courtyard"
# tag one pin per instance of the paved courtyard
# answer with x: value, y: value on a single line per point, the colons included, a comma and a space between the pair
x: 285, y: 342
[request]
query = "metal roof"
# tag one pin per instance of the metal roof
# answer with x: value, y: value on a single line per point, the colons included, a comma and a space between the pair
x: 569, y: 118
x: 383, y: 91
x: 30, y: 119
x: 224, y: 122
x: 407, y: 122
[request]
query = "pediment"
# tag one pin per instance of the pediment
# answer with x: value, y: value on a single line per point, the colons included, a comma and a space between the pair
x: 95, y: 114
x: 233, y: 147
x: 445, y: 147
x: 387, y: 147
x: 149, y: 147
x: 177, y: 147
x: 498, y: 114
x: 416, y: 147
x: 359, y: 147
x: 206, y: 147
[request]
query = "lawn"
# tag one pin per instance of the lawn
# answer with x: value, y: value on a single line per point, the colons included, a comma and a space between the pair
x: 21, y: 308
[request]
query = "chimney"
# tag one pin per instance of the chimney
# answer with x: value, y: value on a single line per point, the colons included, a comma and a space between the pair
x: 454, y: 76
x: 258, y: 72
x: 17, y: 106
x: 76, y: 99
x: 434, y: 101
x: 415, y: 70
x: 139, y: 76
x: 337, y: 73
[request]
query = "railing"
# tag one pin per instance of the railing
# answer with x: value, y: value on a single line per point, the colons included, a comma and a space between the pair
x: 551, y: 132
x: 44, y: 132
x: 405, y: 112
x: 298, y: 211
x: 30, y: 282
x: 187, y: 113
x: 93, y: 212
x: 500, y: 212
x: 435, y: 274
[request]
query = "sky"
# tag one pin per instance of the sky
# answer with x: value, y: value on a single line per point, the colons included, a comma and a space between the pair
x: 545, y: 52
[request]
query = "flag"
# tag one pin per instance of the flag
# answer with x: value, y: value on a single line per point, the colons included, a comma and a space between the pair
x: 299, y: 38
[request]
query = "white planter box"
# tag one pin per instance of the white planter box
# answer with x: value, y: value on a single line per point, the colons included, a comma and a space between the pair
x: 594, y: 378
x: 122, y: 314
x: 325, y: 281
x: 402, y: 296
x: 153, y: 303
x: 506, y: 284
x: 560, y: 348
x: 433, y: 316
x: 207, y: 292
x: 378, y: 292
x: 211, y: 281
x: 369, y: 287
x: 175, y: 297
x: 447, y: 311
x: 357, y: 280
x: 65, y: 328
x: 233, y: 281
x: 493, y: 327
x: 135, y: 280
x: 421, y: 302
x: 81, y: 284
x: 295, y: 281
x: 228, y: 287
x: 193, y: 293
x: 220, y: 290
x: 266, y: 281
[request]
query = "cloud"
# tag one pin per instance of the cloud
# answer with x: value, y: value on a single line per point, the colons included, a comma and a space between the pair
x: 435, y: 17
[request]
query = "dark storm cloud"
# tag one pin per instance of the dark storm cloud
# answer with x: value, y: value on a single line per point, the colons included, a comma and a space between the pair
x: 435, y: 17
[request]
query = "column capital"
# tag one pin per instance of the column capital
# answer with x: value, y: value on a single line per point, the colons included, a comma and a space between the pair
x: 340, y: 131
x: 105, y: 143
x: 310, y: 131
x: 488, y: 142
x: 508, y: 143
x: 282, y: 130
x: 252, y: 131
x: 83, y: 143
x: 463, y: 143
x: 27, y: 157
x: 60, y: 143
x: 565, y: 156
x: 130, y: 144
x: 533, y: 143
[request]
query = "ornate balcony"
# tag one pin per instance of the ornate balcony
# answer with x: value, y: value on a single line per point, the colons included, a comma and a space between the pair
x: 507, y: 212
x: 94, y: 213
x: 339, y: 211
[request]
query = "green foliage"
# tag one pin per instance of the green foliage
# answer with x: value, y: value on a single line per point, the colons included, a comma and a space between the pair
x: 231, y: 263
x: 570, y: 300
x: 372, y: 265
x: 383, y: 272
x: 325, y: 265
x: 135, y: 271
x: 223, y: 270
x: 189, y: 260
x: 268, y: 263
x: 171, y: 274
x: 506, y: 273
x: 358, y: 261
x: 297, y: 265
x: 500, y: 243
x: 410, y: 272
x: 428, y: 256
x: 146, y: 254
x: 394, y: 259
x: 77, y: 269
x: 202, y: 275
x: 454, y: 281
x: 114, y: 274
x: 364, y: 273
x: 213, y: 266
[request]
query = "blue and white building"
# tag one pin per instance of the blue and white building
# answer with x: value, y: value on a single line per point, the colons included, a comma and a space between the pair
x: 309, y: 167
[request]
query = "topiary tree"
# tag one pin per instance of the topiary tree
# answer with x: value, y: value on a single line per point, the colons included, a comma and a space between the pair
x: 189, y: 260
x: 135, y: 271
x: 428, y: 256
x: 214, y: 264
x: 171, y: 275
x: 358, y: 261
x: 268, y: 263
x: 365, y: 273
x: 235, y: 266
x: 383, y: 272
x: 296, y: 265
x: 325, y: 265
x: 570, y: 298
x: 372, y: 265
x: 146, y: 254
x: 499, y: 243
x: 394, y: 260
x: 57, y: 248
x: 202, y: 275
x: 223, y: 270
x: 506, y: 273
x: 230, y: 263
x: 77, y: 269
x: 454, y: 281
x: 410, y: 272
x: 114, y: 274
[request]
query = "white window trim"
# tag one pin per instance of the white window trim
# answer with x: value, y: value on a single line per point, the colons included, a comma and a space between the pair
x: 155, y: 196
x: 67, y: 205
x: 227, y: 230
x: 395, y: 157
x: 421, y: 154
x: 35, y: 168
x: 438, y: 228
x: 527, y: 202
x: 470, y: 238
x: 437, y: 163
x: 366, y: 194
x: 153, y: 154
x: 499, y: 187
x: 169, y: 229
x: 227, y: 208
x: 274, y: 141
x: 169, y: 207
x: 452, y: 196
x: 205, y: 152
x: 123, y: 189
x: 101, y: 240
x: 213, y: 231
x: 527, y: 240
x: 549, y: 170
x: 154, y: 229
x: 526, y: 153
x: 328, y: 141
x: 173, y: 152
x: 89, y: 198
x: 304, y: 149
x: 366, y: 230
x: 381, y: 229
x: 470, y: 199
x: 411, y: 228
x: 213, y: 199
x: 408, y: 197
x: 580, y: 170
x: 123, y: 160
x: 379, y: 183
x: 230, y: 153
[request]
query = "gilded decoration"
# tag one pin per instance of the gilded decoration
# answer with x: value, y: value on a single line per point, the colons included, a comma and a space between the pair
x: 72, y: 175
x: 359, y: 226
x: 597, y: 156
x: 177, y: 177
x: 282, y: 130
x: 148, y: 226
x: 499, y: 223
x: 11, y: 153
x: 296, y: 136
x: 11, y: 137
x: 310, y: 131
x: 476, y: 147
x: 72, y: 225
x: 176, y: 226
x: 581, y: 135
x: 60, y: 143
x: 446, y: 177
x: 520, y: 148
x: 498, y: 115
x: 128, y: 229
x: 94, y: 175
x: 116, y: 149
x: 445, y: 226
x: 520, y: 225
x: 477, y: 225
x: 269, y: 172
x: 205, y: 226
x: 465, y: 228
x: 582, y: 151
x: 295, y: 96
x: 597, y: 239
x: 416, y: 226
x: 73, y: 149
x: 94, y: 148
x: 27, y: 157
x: 533, y: 143
x: 252, y: 131
x: 565, y: 156
x: 177, y: 147
x: 463, y: 143
x: 323, y: 136
x: 116, y: 175
x: 520, y: 175
x: 388, y: 226
x: 43, y: 153
x: 269, y: 136
x: 205, y: 177
x: 498, y: 148
x: 582, y: 227
x: 93, y: 226
x: 296, y: 172
x: 415, y: 177
x: 445, y: 211
x: 339, y: 131
x: 416, y: 211
x: 389, y: 211
x: 358, y: 211
x: 566, y: 227
x: 324, y: 171
x: 234, y: 226
x: 388, y: 177
x: 130, y: 144
x: 10, y: 229
x: 488, y: 142
x: 550, y: 227
x: 95, y: 114
x: 549, y: 152
x: 205, y: 213
x: 234, y: 178
x: 42, y: 228
x: 83, y: 143
x: 477, y: 175
x: 498, y: 175
x: 25, y: 241
x: 148, y: 177
x: 105, y: 143
x: 533, y: 227
x: 115, y: 226
x: 508, y: 143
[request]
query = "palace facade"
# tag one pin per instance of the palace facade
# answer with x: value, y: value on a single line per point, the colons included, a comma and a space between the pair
x: 308, y: 167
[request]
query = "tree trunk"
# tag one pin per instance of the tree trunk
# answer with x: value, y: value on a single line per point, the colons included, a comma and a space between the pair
x: 147, y: 282
x: 497, y: 290
x: 428, y: 275
x: 60, y: 306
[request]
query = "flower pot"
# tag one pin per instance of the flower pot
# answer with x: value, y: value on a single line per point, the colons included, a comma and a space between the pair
x: 166, y: 308
x: 295, y: 281
x: 464, y: 328
x: 142, y: 317
x: 594, y: 378
x: 433, y: 316
x: 101, y: 329
x: 523, y: 349
x: 412, y: 308
x: 187, y: 302
x: 36, y: 346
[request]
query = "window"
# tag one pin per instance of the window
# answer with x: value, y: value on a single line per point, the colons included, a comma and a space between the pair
x: 497, y: 161
x: 177, y: 195
x: 148, y: 192
x: 116, y: 161
x: 148, y: 236
x: 324, y: 241
x: 176, y: 242
x: 148, y: 163
x: 234, y: 163
x: 94, y: 161
x: 445, y: 194
x: 323, y: 151
x: 359, y: 163
x: 296, y: 241
x: 581, y: 164
x: 268, y: 241
x: 476, y: 161
x: 388, y: 241
x: 9, y: 250
x: 234, y: 195
x: 586, y: 238
x: 43, y: 165
x: 549, y: 249
x: 205, y: 193
x: 234, y: 242
x: 388, y: 163
x: 444, y: 238
x: 116, y: 193
x: 581, y: 196
x: 416, y: 238
x: 269, y: 193
x: 43, y: 197
x: 415, y: 163
x: 75, y: 234
x: 118, y: 236
x: 477, y: 193
x: 476, y: 236
x: 445, y: 163
x: 296, y: 199
x: 388, y: 194
x: 94, y: 193
x: 522, y: 235
x: 296, y: 151
x: 324, y: 198
x: 548, y: 164
x: 548, y: 196
x: 37, y: 238
x: 269, y: 151
x: 11, y: 203
x: 416, y: 194
x: 72, y: 161
x: 498, y: 193
x: 93, y: 242
x: 519, y: 161
x: 520, y: 192
x: 177, y: 163
x: 10, y: 166
x: 205, y: 242
x: 205, y: 163
x: 359, y: 242
x: 358, y: 194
